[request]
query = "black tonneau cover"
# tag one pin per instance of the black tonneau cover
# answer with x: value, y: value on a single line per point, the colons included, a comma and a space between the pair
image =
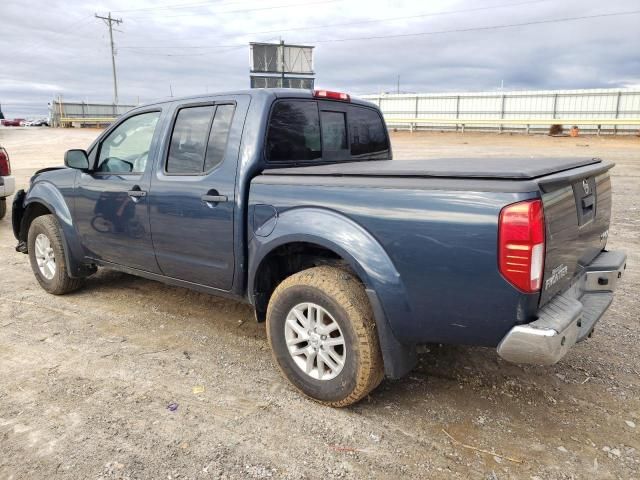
x: 524, y: 168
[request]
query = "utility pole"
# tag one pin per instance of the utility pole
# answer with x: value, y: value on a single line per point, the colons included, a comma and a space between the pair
x: 398, y: 85
x: 109, y: 21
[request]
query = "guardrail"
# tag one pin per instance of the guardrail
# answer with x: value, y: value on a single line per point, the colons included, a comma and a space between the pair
x: 64, y: 120
x: 527, y: 122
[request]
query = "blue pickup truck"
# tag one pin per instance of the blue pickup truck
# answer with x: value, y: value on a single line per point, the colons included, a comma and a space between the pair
x: 290, y: 200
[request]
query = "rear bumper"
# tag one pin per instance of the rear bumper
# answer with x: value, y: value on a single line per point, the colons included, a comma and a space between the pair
x: 7, y: 186
x: 569, y: 317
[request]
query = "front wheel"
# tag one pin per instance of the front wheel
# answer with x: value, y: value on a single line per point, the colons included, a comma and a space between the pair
x: 322, y: 333
x: 47, y: 257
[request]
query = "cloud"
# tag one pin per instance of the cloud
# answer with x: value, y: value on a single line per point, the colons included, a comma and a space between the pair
x: 55, y: 47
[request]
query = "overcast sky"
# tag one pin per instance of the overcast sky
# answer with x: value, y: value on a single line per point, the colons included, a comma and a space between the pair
x: 57, y: 47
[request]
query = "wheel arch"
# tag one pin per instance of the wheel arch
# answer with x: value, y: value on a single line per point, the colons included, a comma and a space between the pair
x: 332, y: 238
x: 44, y: 198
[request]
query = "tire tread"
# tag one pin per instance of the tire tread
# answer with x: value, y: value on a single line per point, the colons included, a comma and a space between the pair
x: 62, y: 283
x: 349, y: 293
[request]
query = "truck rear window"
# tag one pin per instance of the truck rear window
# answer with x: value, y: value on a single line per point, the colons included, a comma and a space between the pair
x: 294, y: 132
x: 366, y: 132
x: 308, y: 131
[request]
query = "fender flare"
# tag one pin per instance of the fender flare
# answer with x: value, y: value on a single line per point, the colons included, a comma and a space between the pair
x: 48, y: 195
x: 364, y: 254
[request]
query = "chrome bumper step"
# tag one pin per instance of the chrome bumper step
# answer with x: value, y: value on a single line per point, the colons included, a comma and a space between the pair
x: 569, y: 317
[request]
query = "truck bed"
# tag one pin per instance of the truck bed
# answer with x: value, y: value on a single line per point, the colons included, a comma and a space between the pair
x: 518, y: 168
x: 437, y: 220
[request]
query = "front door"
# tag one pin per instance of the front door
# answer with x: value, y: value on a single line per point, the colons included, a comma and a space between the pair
x: 111, y: 206
x: 192, y: 199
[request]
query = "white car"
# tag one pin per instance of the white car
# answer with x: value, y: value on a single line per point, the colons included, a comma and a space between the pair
x: 7, y: 181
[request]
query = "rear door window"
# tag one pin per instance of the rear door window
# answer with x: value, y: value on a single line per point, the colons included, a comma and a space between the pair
x: 218, y: 136
x: 199, y: 139
x: 189, y: 140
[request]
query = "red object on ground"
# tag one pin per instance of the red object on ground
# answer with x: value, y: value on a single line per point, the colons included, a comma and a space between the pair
x: 12, y: 123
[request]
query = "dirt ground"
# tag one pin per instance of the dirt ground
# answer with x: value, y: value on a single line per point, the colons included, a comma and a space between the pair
x: 86, y: 379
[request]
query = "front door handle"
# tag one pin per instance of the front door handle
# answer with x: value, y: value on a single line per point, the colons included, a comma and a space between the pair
x: 136, y: 194
x: 213, y: 198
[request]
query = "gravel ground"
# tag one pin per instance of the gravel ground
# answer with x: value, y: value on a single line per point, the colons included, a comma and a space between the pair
x: 86, y: 379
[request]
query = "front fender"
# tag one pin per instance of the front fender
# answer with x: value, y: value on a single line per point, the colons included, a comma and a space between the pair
x: 331, y: 230
x: 48, y: 195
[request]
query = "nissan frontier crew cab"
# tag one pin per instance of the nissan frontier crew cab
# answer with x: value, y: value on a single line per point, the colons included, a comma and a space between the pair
x: 290, y: 200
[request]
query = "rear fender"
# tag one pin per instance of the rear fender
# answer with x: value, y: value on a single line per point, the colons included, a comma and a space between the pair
x: 47, y: 195
x: 365, y: 256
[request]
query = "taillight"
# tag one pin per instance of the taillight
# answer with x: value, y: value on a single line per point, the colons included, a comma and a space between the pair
x: 331, y: 95
x: 5, y: 166
x: 521, y: 244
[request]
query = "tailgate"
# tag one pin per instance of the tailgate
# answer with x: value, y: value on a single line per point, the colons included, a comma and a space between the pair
x: 577, y: 210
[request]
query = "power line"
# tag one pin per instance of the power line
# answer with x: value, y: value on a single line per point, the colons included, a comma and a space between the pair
x: 441, y: 32
x: 180, y: 5
x: 229, y: 48
x: 256, y: 9
x: 410, y: 17
x: 64, y: 30
x: 143, y: 47
x: 109, y: 21
x: 475, y: 29
x: 360, y: 22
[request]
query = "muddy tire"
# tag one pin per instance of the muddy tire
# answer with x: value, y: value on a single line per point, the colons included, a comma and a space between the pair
x: 323, y: 337
x: 3, y: 207
x: 47, y: 257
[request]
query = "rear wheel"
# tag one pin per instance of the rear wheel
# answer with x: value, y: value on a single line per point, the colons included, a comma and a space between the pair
x: 47, y: 257
x: 322, y: 333
x: 3, y: 207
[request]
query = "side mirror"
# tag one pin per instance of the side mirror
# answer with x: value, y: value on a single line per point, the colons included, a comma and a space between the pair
x: 76, y: 158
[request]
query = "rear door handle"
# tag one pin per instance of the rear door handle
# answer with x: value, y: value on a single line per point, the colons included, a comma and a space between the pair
x: 213, y: 198
x: 137, y: 193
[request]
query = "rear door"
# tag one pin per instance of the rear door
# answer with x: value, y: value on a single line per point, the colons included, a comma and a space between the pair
x: 577, y: 210
x: 192, y: 199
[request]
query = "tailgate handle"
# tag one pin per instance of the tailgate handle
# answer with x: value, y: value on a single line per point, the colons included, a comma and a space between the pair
x: 587, y: 202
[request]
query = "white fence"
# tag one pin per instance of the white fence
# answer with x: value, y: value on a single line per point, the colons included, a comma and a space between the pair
x: 601, y: 110
x: 64, y: 113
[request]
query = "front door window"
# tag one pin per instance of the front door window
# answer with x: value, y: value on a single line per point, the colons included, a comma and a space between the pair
x: 126, y: 149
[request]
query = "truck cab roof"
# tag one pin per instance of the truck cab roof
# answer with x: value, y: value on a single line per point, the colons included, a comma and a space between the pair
x: 274, y: 93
